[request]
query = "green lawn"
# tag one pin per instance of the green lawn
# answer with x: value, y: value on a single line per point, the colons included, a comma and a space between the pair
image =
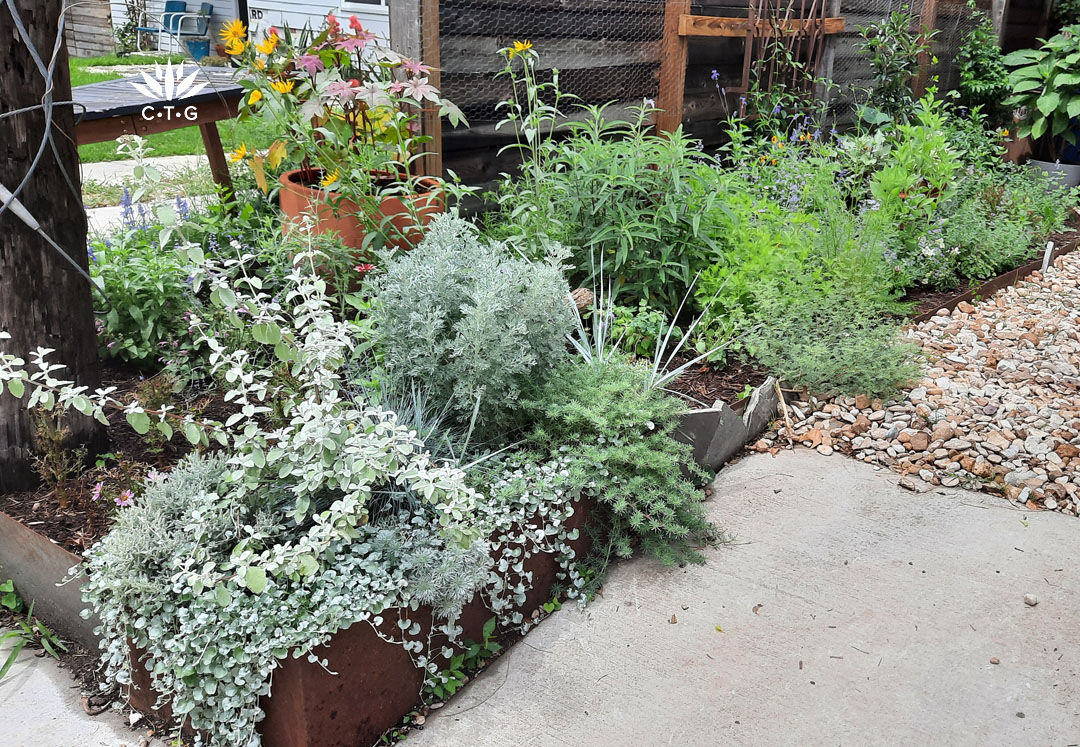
x: 182, y: 142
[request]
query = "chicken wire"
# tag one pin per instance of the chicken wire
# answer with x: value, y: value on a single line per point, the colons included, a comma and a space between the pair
x: 611, y: 50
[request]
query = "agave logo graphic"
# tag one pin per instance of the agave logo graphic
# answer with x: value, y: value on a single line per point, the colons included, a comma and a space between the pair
x: 167, y: 84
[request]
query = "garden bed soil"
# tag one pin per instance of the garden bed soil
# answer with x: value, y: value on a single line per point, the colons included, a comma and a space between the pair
x: 84, y: 521
x: 704, y: 383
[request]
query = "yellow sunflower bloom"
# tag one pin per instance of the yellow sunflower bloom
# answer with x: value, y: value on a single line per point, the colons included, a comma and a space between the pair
x: 255, y: 97
x: 235, y: 46
x: 282, y: 86
x: 267, y: 45
x: 239, y: 153
x: 519, y: 47
x: 233, y: 30
x: 330, y: 178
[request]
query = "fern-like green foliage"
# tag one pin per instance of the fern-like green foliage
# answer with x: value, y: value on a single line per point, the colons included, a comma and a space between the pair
x: 465, y: 320
x: 825, y: 343
x: 617, y: 431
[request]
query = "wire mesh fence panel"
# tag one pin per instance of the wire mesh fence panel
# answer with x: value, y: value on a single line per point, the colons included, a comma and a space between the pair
x: 611, y: 52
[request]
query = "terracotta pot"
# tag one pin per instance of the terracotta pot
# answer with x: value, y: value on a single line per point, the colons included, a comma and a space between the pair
x: 345, y: 218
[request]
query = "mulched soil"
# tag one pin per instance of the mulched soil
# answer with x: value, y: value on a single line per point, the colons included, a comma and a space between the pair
x: 84, y: 521
x: 704, y: 383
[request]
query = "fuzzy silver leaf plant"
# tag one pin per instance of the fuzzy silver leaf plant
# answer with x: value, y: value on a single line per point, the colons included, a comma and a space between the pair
x: 469, y: 321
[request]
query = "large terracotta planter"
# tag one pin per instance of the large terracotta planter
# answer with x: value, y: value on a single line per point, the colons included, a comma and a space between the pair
x: 407, y: 213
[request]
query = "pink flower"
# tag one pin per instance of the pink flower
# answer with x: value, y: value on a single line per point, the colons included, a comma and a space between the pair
x: 156, y: 476
x: 125, y: 499
x: 96, y: 495
x: 341, y: 90
x: 351, y: 44
x: 310, y: 63
x: 273, y: 31
x: 396, y: 87
x: 367, y: 36
x: 419, y: 89
x: 415, y: 67
x: 354, y: 24
x: 363, y: 268
x: 333, y: 22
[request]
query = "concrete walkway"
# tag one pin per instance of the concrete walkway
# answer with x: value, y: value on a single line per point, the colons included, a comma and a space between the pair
x: 117, y: 172
x: 852, y: 612
x: 40, y: 707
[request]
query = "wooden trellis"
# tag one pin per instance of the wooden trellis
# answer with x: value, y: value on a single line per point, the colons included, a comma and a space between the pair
x: 801, y: 25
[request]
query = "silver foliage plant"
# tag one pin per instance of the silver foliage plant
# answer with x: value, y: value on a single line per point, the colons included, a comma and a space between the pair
x: 469, y: 321
x: 235, y: 561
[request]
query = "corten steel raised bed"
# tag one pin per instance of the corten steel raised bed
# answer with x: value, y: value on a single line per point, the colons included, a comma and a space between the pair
x: 37, y: 565
x: 376, y: 682
x: 992, y: 286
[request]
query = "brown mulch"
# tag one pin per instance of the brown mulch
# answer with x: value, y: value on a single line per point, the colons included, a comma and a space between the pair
x: 84, y: 521
x: 704, y: 383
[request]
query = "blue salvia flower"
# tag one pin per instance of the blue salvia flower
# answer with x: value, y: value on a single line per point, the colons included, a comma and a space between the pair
x: 127, y: 215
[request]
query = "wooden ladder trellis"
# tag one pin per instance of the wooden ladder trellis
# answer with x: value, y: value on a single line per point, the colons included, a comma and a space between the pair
x: 803, y: 32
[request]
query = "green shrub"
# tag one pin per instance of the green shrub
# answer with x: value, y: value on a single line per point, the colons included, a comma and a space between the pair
x: 146, y: 284
x: 617, y: 433
x: 829, y: 345
x: 984, y: 79
x: 463, y: 319
x: 638, y: 208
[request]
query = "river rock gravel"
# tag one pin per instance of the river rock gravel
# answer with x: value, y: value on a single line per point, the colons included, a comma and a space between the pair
x: 997, y: 407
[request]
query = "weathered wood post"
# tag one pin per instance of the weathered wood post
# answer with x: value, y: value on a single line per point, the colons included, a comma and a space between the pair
x: 672, y: 67
x: 43, y: 301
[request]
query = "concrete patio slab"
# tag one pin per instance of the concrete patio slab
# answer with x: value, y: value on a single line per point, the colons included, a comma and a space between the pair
x: 845, y: 611
x: 40, y: 706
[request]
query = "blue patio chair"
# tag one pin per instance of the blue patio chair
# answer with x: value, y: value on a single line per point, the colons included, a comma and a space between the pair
x: 173, y: 20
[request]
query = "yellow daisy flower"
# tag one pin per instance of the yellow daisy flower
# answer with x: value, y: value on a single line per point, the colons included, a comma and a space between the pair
x: 239, y: 153
x: 519, y: 47
x: 775, y: 138
x: 233, y: 30
x: 330, y: 178
x: 235, y: 46
x: 267, y: 45
x: 255, y: 97
x: 282, y: 86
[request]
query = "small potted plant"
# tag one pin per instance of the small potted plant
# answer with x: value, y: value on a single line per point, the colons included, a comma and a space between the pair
x: 1046, y: 87
x: 348, y: 114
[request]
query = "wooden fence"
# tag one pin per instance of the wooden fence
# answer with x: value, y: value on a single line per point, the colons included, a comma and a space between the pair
x: 88, y: 28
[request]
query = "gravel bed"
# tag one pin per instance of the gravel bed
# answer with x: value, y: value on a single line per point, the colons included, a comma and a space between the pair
x: 997, y: 408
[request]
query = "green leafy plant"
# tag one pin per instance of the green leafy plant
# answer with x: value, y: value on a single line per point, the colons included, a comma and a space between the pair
x: 28, y: 631
x: 984, y: 78
x: 824, y: 343
x: 1067, y: 12
x: 632, y: 206
x: 1046, y: 84
x: 472, y: 658
x: 893, y: 49
x: 637, y: 331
